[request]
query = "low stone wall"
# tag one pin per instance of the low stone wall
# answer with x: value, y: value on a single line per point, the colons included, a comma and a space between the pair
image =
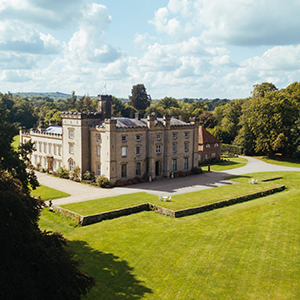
x: 208, y: 207
x: 68, y: 213
x: 162, y: 210
x: 87, y: 220
x: 271, y: 179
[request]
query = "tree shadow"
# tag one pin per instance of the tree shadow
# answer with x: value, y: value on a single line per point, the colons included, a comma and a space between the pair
x: 114, y: 278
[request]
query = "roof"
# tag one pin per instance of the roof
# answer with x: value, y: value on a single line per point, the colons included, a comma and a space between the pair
x: 54, y: 129
x: 206, y: 137
x: 131, y: 123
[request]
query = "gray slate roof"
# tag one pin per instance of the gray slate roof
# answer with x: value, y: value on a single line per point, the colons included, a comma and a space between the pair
x: 131, y: 123
x: 54, y: 129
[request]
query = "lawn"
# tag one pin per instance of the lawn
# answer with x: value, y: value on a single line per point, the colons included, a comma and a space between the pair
x: 281, y: 161
x: 228, y: 164
x: 48, y: 193
x: 178, y: 202
x: 246, y: 251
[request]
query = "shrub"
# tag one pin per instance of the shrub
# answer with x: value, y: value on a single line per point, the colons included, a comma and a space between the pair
x: 75, y: 173
x: 103, y: 181
x: 62, y: 172
x: 89, y: 176
x: 197, y: 170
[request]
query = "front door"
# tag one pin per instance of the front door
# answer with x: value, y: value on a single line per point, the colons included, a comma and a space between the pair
x: 157, y: 168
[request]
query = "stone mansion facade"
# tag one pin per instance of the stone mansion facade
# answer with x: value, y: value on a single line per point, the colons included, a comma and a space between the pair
x: 121, y: 148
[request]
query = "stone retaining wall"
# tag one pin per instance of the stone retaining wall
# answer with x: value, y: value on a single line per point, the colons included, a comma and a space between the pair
x: 87, y: 220
x: 208, y: 207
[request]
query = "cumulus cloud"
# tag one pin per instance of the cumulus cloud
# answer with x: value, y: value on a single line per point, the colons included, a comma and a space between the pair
x: 235, y: 22
x: 14, y: 76
x: 53, y: 14
x: 87, y: 43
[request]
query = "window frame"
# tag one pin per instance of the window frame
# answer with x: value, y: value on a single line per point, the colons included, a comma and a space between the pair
x: 186, y: 163
x: 186, y: 147
x: 138, y: 150
x: 124, y: 151
x: 158, y: 149
x: 124, y: 170
x: 71, y: 133
x: 174, y: 164
x: 71, y: 148
x: 138, y: 169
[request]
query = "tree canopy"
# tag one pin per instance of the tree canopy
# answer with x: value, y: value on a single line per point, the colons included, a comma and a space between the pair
x: 139, y: 98
x: 34, y: 264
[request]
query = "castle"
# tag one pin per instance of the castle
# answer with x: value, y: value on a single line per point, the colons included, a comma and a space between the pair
x: 121, y: 148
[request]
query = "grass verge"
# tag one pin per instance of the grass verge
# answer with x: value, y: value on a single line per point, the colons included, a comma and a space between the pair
x: 48, y: 193
x: 280, y: 161
x: 231, y: 163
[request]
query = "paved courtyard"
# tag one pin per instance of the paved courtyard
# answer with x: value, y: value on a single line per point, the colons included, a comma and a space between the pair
x: 82, y: 192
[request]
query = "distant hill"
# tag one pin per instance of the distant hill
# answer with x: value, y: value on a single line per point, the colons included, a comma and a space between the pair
x: 53, y: 95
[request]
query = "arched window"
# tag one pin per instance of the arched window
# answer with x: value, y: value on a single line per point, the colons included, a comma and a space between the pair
x: 71, y: 164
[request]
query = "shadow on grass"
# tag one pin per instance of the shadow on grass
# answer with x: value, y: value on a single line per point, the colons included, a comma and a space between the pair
x: 114, y: 278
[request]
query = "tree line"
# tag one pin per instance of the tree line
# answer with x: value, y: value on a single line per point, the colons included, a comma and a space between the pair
x: 267, y: 122
x: 26, y: 111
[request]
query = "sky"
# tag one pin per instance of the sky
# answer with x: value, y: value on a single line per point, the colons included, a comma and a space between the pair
x: 176, y: 48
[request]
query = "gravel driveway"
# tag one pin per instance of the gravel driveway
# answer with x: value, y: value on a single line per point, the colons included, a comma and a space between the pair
x: 82, y: 192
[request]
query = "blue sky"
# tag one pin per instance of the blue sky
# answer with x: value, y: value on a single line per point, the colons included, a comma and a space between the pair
x: 178, y: 48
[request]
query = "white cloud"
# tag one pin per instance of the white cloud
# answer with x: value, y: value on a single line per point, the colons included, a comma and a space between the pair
x: 87, y: 43
x: 235, y: 22
x: 53, y: 14
x: 14, y: 76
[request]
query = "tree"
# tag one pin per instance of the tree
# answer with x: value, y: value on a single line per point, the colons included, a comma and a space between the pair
x: 9, y: 158
x: 118, y: 107
x: 139, y: 98
x: 168, y: 102
x: 34, y: 264
x: 207, y: 119
x: 269, y: 124
x: 231, y: 120
x: 22, y: 112
x: 261, y: 89
x: 70, y: 103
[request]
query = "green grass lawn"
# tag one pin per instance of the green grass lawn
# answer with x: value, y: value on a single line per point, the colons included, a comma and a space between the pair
x: 232, y: 163
x: 281, y: 161
x: 246, y: 251
x: 48, y: 193
x: 178, y: 202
